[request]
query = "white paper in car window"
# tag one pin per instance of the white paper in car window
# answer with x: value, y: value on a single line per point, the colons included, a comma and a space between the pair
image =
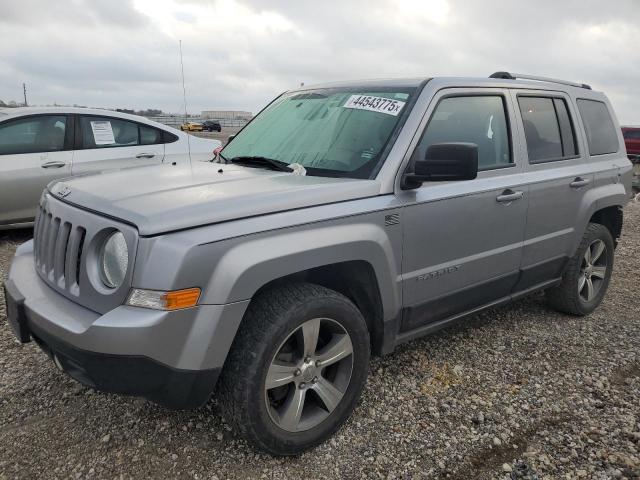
x: 102, y: 132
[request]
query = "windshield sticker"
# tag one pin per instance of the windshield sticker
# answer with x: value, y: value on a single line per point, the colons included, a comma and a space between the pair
x: 102, y: 132
x: 375, y: 104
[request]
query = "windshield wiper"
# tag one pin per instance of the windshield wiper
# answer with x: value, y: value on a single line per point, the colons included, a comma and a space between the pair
x: 253, y: 161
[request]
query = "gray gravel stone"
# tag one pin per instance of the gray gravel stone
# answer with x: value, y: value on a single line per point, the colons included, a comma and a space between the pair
x: 561, y: 394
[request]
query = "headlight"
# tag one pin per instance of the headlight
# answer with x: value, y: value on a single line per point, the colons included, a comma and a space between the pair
x: 114, y: 260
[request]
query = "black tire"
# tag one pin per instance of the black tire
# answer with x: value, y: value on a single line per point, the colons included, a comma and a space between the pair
x: 270, y: 320
x: 566, y: 296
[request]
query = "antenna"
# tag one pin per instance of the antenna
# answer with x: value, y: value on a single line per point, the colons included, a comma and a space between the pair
x: 184, y: 96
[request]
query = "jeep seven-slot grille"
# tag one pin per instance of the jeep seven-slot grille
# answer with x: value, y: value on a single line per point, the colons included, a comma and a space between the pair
x: 58, y: 250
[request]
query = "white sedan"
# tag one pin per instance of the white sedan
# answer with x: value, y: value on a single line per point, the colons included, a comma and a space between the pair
x: 38, y: 145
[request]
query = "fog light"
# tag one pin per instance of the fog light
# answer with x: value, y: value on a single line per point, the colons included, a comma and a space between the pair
x: 161, y: 300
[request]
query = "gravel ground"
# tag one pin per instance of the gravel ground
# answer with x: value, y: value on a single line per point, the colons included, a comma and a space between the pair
x: 516, y: 389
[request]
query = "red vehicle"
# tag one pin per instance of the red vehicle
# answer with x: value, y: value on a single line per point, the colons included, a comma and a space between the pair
x: 632, y: 142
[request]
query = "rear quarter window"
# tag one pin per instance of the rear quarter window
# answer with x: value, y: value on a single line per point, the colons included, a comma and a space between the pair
x: 602, y: 136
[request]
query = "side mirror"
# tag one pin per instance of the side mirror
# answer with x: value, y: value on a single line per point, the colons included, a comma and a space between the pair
x: 443, y: 162
x: 231, y: 137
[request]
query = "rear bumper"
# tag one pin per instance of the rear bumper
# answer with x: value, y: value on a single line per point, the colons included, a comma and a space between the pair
x: 171, y: 358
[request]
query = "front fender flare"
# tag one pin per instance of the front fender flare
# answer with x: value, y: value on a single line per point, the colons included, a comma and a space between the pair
x: 248, y: 265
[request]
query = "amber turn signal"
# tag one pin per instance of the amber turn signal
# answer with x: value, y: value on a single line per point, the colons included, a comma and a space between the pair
x: 181, y: 298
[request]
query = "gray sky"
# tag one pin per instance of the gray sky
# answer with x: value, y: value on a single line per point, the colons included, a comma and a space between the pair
x: 238, y: 54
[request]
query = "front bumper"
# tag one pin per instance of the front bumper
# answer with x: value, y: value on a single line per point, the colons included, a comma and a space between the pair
x: 171, y: 358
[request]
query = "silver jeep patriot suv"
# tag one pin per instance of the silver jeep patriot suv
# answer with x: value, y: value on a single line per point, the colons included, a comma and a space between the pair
x: 343, y: 220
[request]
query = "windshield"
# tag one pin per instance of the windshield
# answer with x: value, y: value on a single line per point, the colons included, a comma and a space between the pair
x: 340, y: 132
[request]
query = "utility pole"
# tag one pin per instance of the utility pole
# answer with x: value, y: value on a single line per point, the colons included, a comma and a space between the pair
x: 24, y: 90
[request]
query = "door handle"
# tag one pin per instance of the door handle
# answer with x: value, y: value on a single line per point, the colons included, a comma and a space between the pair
x: 145, y: 155
x: 579, y: 182
x: 509, y: 196
x: 53, y: 164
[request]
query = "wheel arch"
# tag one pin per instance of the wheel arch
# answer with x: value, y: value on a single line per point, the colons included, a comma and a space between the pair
x: 610, y: 217
x: 602, y: 204
x: 356, y: 260
x: 356, y: 280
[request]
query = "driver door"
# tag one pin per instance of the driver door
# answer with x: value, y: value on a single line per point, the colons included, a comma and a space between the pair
x: 463, y: 240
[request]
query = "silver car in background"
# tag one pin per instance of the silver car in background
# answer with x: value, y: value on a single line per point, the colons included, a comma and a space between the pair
x: 38, y: 145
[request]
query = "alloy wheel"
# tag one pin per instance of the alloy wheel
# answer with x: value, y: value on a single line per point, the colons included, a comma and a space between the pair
x: 309, y: 375
x: 593, y: 270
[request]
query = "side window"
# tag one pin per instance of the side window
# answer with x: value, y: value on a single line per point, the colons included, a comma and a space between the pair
x: 474, y: 119
x: 566, y: 128
x: 104, y: 132
x: 150, y: 135
x: 541, y: 129
x: 169, y: 137
x: 602, y: 136
x: 44, y: 133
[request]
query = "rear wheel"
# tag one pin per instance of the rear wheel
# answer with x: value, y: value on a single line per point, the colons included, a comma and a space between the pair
x: 296, y: 368
x: 587, y: 275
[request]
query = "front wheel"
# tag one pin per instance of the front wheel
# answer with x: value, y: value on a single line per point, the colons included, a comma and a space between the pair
x: 586, y: 278
x: 296, y: 368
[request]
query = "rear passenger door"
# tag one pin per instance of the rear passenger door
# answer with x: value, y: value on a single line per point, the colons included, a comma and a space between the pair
x: 105, y: 143
x: 558, y: 176
x: 463, y: 239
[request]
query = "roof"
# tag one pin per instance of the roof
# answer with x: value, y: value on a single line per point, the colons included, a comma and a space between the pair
x: 539, y: 84
x: 370, y: 83
x: 7, y: 113
x: 17, y: 111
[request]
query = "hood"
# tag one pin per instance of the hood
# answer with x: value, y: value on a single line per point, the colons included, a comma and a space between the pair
x: 167, y: 197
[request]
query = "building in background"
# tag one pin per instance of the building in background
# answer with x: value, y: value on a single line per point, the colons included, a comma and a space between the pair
x: 226, y: 115
x: 227, y: 118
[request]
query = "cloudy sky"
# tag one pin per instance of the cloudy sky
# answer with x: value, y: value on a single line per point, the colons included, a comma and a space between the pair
x: 238, y: 54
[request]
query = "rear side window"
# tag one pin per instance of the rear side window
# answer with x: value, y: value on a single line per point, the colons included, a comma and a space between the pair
x: 43, y: 133
x: 150, y: 135
x: 105, y: 132
x: 474, y: 119
x: 169, y: 137
x: 602, y: 136
x: 548, y: 129
x: 566, y: 128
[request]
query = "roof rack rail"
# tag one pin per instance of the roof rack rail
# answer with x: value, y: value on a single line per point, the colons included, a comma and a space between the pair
x: 515, y: 76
